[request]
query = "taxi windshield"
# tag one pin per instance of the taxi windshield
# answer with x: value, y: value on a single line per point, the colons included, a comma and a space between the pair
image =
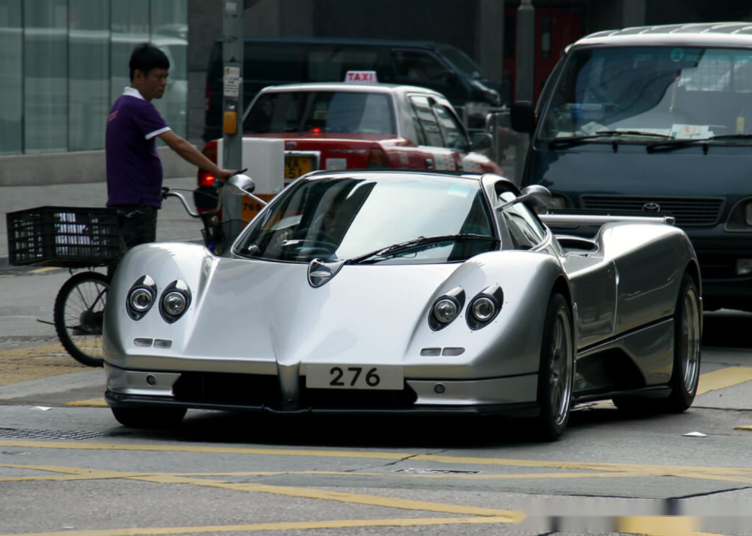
x: 342, y: 218
x: 321, y: 112
x: 640, y: 94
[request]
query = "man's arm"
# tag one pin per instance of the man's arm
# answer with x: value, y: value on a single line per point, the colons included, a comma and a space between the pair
x: 190, y: 154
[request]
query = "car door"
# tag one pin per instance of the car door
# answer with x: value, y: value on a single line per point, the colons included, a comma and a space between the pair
x: 431, y: 140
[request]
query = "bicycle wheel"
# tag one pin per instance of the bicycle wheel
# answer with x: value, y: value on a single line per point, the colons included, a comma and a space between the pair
x: 79, y: 310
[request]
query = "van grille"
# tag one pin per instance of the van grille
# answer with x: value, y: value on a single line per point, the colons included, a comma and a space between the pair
x: 688, y: 211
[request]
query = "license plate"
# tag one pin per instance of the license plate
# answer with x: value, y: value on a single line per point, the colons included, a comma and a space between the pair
x: 295, y: 166
x: 365, y: 377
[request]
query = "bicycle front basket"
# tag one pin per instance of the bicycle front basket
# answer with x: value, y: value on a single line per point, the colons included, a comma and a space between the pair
x: 64, y: 236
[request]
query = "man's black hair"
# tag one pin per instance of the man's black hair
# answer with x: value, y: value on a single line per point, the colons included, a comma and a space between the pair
x: 147, y: 57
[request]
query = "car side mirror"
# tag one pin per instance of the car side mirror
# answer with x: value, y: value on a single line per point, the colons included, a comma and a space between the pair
x: 241, y: 185
x: 522, y: 117
x: 537, y: 195
x: 480, y: 141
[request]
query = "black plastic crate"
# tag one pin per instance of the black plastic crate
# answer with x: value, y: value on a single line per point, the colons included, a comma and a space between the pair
x: 64, y: 236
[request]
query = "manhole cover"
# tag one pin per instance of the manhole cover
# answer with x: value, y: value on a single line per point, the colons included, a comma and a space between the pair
x: 76, y: 435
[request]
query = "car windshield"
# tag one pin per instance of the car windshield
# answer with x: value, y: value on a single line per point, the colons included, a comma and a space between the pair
x: 632, y: 93
x: 342, y: 218
x: 321, y: 112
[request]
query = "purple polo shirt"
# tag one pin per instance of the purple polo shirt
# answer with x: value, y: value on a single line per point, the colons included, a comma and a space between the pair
x: 134, y: 169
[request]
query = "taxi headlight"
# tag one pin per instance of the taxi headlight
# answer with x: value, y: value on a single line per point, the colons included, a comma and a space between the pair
x: 140, y: 297
x: 175, y: 301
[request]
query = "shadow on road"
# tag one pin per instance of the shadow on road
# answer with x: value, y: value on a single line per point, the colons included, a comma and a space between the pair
x: 727, y: 329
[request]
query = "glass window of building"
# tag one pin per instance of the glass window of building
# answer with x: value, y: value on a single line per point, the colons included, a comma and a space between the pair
x: 45, y: 76
x: 11, y: 98
x: 169, y: 32
x: 89, y: 74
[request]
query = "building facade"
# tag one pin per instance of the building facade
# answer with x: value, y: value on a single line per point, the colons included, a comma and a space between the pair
x: 63, y: 62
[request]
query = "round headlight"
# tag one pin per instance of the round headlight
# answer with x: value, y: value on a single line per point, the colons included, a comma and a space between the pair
x: 174, y: 303
x: 484, y: 309
x: 141, y: 300
x: 445, y: 310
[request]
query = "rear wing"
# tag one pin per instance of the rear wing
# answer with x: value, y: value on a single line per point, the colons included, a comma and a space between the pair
x: 572, y: 220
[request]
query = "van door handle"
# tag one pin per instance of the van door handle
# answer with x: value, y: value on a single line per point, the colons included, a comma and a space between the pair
x: 429, y: 163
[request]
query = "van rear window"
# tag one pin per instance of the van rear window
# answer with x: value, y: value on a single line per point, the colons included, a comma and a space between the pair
x: 321, y: 112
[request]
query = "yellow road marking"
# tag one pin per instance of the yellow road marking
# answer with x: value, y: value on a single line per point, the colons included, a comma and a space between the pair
x: 299, y: 525
x: 350, y: 498
x: 91, y: 403
x: 43, y: 270
x: 657, y: 525
x: 723, y: 378
x: 25, y: 364
x: 305, y: 493
x: 726, y: 474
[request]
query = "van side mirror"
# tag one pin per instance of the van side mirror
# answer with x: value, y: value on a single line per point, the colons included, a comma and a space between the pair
x: 480, y: 141
x: 522, y: 117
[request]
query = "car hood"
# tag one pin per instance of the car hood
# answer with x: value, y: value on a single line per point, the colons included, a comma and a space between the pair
x: 632, y: 171
x: 268, y: 314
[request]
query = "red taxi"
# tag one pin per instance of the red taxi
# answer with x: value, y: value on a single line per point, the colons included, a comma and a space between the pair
x: 336, y: 126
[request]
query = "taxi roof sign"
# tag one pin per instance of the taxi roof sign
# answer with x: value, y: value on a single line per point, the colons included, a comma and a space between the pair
x: 361, y: 77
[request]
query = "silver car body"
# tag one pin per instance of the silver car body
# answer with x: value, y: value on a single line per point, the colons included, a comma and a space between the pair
x: 255, y: 329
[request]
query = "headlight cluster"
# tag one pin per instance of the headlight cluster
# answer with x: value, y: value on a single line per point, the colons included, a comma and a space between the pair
x: 482, y: 309
x: 740, y: 217
x: 175, y: 300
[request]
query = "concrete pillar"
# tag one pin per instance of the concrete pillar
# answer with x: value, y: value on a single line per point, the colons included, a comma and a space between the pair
x: 490, y: 38
x: 524, y: 77
x: 632, y: 13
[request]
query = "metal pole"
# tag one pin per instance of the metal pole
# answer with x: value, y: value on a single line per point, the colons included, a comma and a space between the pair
x: 232, y: 132
x: 525, y: 75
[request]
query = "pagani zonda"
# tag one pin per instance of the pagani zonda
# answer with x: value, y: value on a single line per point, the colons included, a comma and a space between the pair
x: 410, y: 292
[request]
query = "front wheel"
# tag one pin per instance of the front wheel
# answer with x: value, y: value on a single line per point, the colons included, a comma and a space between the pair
x: 556, y: 372
x: 78, y: 315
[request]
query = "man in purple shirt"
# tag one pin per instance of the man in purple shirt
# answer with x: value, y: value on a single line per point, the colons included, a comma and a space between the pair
x: 134, y: 169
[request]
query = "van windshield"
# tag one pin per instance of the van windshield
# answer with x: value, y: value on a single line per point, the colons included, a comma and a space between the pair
x: 462, y: 62
x: 651, y: 92
x: 321, y: 112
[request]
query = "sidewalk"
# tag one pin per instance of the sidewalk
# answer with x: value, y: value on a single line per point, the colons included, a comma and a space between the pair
x: 173, y: 223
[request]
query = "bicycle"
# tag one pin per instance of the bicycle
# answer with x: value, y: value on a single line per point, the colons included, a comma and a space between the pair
x: 86, y: 238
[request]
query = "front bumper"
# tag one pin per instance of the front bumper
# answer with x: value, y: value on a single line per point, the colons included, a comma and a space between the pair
x: 514, y: 396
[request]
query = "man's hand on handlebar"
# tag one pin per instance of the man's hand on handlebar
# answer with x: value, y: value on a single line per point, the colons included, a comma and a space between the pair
x: 225, y: 174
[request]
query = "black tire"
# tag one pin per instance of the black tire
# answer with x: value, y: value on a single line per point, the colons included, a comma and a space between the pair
x: 687, y: 355
x: 149, y: 418
x: 78, y: 315
x: 687, y: 352
x: 556, y: 372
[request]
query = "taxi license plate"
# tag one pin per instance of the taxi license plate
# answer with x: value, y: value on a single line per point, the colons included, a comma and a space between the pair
x: 295, y: 166
x: 364, y: 377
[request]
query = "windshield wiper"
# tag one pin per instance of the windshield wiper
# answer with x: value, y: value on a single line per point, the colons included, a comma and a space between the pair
x: 417, y: 243
x: 577, y: 140
x: 686, y: 142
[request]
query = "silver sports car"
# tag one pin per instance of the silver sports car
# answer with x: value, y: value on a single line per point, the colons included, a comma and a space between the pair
x: 408, y: 292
